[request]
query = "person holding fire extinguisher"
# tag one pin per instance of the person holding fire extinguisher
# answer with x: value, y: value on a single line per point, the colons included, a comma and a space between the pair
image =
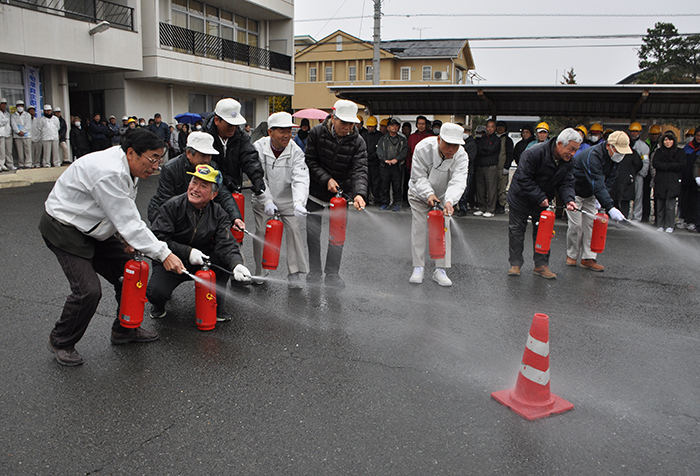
x: 196, y: 229
x: 336, y: 156
x: 286, y: 191
x: 541, y: 173
x: 595, y: 171
x: 92, y: 225
x: 438, y: 175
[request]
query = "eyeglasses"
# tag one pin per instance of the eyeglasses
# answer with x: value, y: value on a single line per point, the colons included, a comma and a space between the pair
x: 152, y: 160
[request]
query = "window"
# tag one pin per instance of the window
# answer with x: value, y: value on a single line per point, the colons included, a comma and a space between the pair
x: 204, y: 18
x: 368, y: 73
x: 312, y: 75
x: 405, y: 74
x: 427, y: 73
x: 338, y: 43
x: 329, y: 74
x: 352, y: 73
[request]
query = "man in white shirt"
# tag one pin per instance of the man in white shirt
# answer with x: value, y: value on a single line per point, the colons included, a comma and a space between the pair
x: 6, y: 162
x: 21, y: 123
x: 47, y: 127
x: 438, y: 175
x: 92, y: 225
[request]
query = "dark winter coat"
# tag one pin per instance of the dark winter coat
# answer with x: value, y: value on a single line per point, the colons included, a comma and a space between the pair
x: 97, y: 132
x: 520, y: 148
x: 539, y: 177
x: 488, y: 150
x: 174, y: 180
x: 471, y: 149
x: 390, y: 148
x: 595, y: 174
x: 343, y: 159
x: 62, y: 130
x: 79, y: 141
x: 371, y: 140
x: 669, y: 165
x: 183, y: 227
x: 240, y: 156
x: 627, y: 169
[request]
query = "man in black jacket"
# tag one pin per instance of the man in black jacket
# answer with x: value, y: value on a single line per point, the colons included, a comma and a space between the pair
x: 78, y: 138
x: 62, y: 136
x: 371, y: 136
x: 236, y: 152
x: 174, y: 178
x: 337, y: 159
x: 542, y: 172
x: 469, y: 192
x: 505, y: 159
x: 487, y: 172
x: 195, y: 229
x: 528, y: 135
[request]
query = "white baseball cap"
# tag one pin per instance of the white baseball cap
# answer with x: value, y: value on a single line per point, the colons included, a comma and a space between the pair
x: 346, y: 111
x: 3, y: 100
x: 125, y: 118
x: 47, y: 107
x: 202, y: 142
x: 452, y: 133
x: 230, y: 111
x: 280, y: 119
x: 57, y: 109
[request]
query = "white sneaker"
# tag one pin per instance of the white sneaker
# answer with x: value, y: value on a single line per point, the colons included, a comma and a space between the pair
x: 488, y: 214
x: 478, y: 213
x: 661, y: 228
x: 440, y: 277
x: 417, y: 276
x: 669, y: 230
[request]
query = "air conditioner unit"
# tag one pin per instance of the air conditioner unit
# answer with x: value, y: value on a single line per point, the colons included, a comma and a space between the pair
x: 440, y: 75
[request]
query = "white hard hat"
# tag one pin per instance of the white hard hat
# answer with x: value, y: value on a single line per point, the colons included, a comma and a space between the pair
x: 346, y: 111
x: 57, y: 109
x: 47, y: 107
x: 452, y: 133
x: 202, y: 142
x: 280, y: 119
x: 3, y: 100
x: 230, y: 111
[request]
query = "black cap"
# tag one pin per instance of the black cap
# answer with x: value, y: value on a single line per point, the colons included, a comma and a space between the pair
x: 393, y: 121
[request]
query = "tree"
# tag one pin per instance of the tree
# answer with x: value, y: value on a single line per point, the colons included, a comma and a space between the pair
x: 280, y: 104
x: 569, y: 77
x: 667, y: 57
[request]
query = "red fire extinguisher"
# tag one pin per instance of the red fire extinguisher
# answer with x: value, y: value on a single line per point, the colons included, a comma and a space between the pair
x: 436, y: 233
x: 600, y: 230
x: 273, y: 243
x: 240, y: 201
x: 205, y: 298
x: 338, y: 219
x: 545, y: 232
x: 133, y: 292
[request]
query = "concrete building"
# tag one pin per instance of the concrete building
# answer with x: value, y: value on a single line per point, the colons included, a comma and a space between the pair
x: 342, y: 59
x: 139, y: 57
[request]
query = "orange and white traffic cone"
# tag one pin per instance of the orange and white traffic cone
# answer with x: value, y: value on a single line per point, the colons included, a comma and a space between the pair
x: 531, y: 398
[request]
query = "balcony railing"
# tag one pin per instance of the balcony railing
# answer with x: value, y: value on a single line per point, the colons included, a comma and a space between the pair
x: 200, y: 44
x: 93, y: 11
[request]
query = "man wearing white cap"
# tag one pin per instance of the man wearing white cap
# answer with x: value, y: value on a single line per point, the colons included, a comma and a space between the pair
x: 236, y: 153
x: 438, y: 175
x: 174, y: 178
x: 21, y: 123
x: 286, y: 189
x: 595, y: 171
x: 337, y: 159
x: 47, y: 127
x: 6, y: 162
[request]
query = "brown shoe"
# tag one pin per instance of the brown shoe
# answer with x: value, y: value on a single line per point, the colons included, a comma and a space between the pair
x: 514, y: 271
x: 591, y: 264
x: 570, y: 261
x: 68, y: 357
x: 134, y: 335
x: 544, y: 272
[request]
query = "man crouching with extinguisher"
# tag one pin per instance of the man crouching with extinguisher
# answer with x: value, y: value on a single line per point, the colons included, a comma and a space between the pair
x: 89, y: 205
x: 542, y: 171
x: 438, y: 175
x: 196, y: 229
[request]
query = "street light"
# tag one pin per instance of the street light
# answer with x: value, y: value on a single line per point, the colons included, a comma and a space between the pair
x: 100, y: 27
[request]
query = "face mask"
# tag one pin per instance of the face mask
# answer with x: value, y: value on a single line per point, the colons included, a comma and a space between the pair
x: 77, y: 123
x: 143, y: 124
x: 595, y: 139
x: 465, y: 136
x: 617, y: 157
x: 20, y: 109
x: 199, y: 128
x: 436, y: 130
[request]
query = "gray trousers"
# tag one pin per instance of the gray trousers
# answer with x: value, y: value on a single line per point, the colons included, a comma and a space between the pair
x: 419, y: 233
x: 487, y: 188
x: 51, y: 155
x: 666, y: 212
x: 580, y: 231
x: 296, y: 253
x: 6, y: 153
x: 36, y: 153
x: 24, y: 151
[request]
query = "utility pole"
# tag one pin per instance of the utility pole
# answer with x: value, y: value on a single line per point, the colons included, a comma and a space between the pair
x: 377, y: 39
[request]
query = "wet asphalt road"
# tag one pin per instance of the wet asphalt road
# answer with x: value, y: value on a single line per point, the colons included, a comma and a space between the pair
x: 380, y: 378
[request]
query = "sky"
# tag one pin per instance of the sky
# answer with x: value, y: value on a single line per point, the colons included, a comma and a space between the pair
x: 521, y: 62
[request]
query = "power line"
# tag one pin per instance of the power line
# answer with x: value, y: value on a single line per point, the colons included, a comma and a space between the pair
x: 533, y: 47
x: 501, y: 15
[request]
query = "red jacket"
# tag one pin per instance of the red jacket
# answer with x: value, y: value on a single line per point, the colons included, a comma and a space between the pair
x: 413, y: 141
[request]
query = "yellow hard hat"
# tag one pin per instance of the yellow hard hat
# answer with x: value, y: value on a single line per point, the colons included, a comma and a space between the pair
x: 384, y: 122
x: 608, y: 131
x: 360, y: 118
x: 582, y: 128
x: 542, y: 125
x: 371, y: 121
x: 655, y: 129
x: 690, y: 132
x: 597, y: 127
x: 635, y: 126
x: 206, y: 172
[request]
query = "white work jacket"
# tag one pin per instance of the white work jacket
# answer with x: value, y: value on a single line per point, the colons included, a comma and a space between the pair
x: 47, y: 127
x: 21, y: 122
x: 5, y: 127
x: 286, y: 178
x: 431, y: 174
